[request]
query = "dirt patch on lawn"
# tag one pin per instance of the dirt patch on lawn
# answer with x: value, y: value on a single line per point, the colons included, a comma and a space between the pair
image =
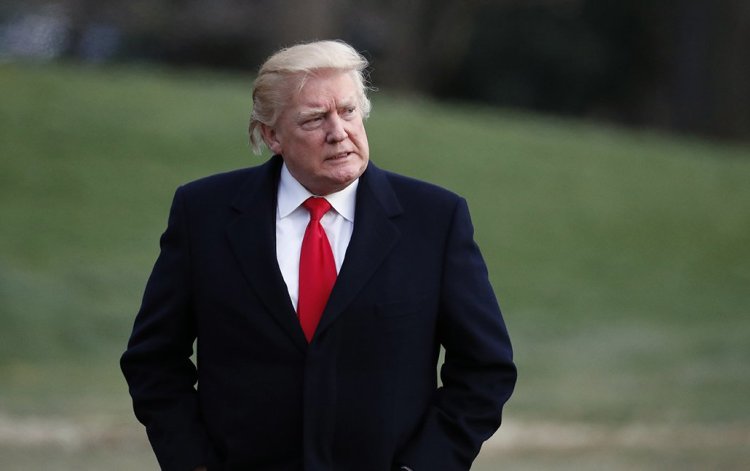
x: 529, y: 435
x: 514, y: 435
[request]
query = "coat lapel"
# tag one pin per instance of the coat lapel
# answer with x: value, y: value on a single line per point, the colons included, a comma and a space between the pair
x: 252, y: 237
x: 373, y: 238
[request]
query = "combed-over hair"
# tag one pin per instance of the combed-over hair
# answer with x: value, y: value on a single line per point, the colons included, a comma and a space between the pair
x: 286, y: 71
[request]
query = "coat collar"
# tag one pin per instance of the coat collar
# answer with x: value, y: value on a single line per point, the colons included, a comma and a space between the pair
x: 252, y: 237
x: 373, y: 238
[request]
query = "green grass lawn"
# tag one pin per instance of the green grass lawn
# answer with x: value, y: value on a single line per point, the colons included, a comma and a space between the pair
x: 621, y: 259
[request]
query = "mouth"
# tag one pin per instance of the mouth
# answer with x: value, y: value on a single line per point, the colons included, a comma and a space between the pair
x: 340, y: 156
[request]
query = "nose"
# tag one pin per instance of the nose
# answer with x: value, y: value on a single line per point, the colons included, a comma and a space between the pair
x: 336, y: 130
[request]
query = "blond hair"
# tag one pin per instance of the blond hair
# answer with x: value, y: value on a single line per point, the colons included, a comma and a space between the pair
x: 286, y: 71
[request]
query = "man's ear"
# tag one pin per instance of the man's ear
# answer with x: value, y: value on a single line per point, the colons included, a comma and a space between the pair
x: 271, y: 138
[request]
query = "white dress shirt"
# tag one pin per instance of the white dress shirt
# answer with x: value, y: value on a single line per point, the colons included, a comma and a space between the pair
x: 292, y: 219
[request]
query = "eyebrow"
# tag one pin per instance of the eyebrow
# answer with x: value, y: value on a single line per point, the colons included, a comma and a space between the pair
x: 313, y: 111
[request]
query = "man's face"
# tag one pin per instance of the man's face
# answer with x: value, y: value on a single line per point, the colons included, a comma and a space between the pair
x: 320, y: 133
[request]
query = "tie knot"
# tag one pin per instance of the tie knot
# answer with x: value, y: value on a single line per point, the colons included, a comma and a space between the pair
x: 317, y: 207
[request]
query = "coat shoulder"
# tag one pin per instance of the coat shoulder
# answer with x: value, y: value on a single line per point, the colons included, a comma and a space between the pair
x: 412, y: 191
x: 235, y: 186
x: 225, y: 181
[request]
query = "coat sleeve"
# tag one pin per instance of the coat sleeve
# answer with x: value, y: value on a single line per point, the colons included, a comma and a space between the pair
x: 478, y: 374
x: 157, y: 364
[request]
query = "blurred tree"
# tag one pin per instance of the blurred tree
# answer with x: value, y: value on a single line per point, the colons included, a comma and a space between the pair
x: 709, y: 70
x: 303, y: 20
x: 426, y: 40
x: 677, y: 64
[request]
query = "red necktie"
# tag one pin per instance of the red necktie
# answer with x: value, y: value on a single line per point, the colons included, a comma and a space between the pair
x: 317, y: 268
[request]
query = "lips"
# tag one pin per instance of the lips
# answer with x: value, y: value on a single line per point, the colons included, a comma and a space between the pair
x: 340, y: 155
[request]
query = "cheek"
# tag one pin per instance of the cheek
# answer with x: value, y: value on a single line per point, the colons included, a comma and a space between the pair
x: 357, y: 133
x: 361, y: 141
x: 309, y: 140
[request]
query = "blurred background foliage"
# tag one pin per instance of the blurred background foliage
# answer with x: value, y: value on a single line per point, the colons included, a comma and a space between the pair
x: 620, y: 252
x: 674, y: 64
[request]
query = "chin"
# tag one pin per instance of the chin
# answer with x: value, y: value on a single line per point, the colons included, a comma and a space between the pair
x: 334, y: 183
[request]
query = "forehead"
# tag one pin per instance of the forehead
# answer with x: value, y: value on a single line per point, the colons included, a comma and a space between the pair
x: 325, y: 88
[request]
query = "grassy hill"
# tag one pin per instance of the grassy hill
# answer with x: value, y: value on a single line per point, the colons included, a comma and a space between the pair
x: 621, y: 258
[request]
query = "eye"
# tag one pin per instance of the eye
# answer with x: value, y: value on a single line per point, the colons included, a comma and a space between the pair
x: 349, y: 111
x: 312, y: 122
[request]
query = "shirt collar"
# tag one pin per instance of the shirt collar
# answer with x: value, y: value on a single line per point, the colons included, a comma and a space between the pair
x: 292, y: 194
